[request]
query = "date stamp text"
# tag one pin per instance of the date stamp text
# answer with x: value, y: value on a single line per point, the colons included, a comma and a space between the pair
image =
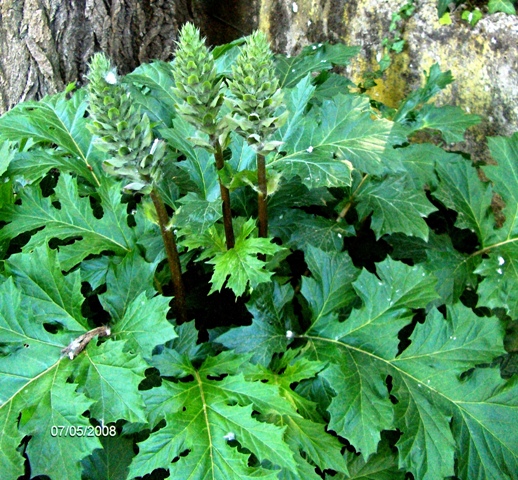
x: 83, y: 431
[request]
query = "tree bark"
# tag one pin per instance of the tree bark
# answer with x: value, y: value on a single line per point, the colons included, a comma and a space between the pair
x: 46, y: 44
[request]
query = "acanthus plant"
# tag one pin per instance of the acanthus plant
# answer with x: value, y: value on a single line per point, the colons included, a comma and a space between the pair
x: 364, y: 338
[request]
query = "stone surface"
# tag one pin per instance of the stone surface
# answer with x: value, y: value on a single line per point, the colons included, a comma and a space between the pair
x: 483, y: 59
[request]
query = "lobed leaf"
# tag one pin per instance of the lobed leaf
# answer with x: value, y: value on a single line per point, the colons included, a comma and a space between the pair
x: 33, y: 376
x: 330, y: 287
x: 73, y: 219
x: 111, y: 377
x: 60, y: 122
x: 313, y: 58
x: 332, y: 139
x: 121, y: 285
x: 267, y: 334
x: 395, y: 207
x: 52, y: 297
x: 215, y: 414
x: 151, y: 87
x: 454, y: 270
x: 451, y: 121
x: 461, y: 189
x: 499, y: 287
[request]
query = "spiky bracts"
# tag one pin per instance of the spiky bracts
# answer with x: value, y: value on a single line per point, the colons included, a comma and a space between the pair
x: 197, y: 86
x: 124, y: 133
x: 255, y: 94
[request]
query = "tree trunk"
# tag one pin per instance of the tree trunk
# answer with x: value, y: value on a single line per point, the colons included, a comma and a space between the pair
x: 45, y: 44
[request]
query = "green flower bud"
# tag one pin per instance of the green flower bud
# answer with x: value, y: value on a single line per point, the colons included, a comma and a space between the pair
x: 197, y: 86
x: 124, y: 133
x: 255, y: 93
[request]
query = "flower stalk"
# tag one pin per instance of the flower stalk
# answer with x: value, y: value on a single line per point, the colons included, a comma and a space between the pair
x: 199, y: 91
x: 255, y: 100
x: 135, y: 155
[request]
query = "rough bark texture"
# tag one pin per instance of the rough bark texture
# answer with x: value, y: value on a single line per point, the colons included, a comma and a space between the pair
x: 45, y: 44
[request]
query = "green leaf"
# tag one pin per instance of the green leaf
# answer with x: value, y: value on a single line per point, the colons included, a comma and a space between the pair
x: 297, y: 103
x: 435, y: 81
x: 287, y: 372
x: 430, y: 393
x: 243, y: 156
x: 74, y: 219
x: 472, y: 17
x: 52, y: 297
x: 27, y: 348
x: 330, y: 287
x: 238, y: 267
x: 332, y: 86
x: 199, y: 165
x: 152, y: 89
x: 333, y: 137
x: 214, y: 415
x: 95, y: 269
x: 300, y: 230
x: 112, y: 461
x: 294, y: 193
x: 419, y: 161
x: 34, y: 164
x: 111, y: 377
x: 382, y: 465
x: 11, y: 461
x: 196, y: 214
x: 126, y: 281
x: 7, y: 154
x: 452, y: 122
x: 145, y: 324
x: 484, y: 426
x: 312, y: 438
x: 57, y: 404
x: 313, y: 58
x: 426, y: 378
x: 6, y: 198
x: 225, y: 55
x: 60, y: 122
x: 453, y: 269
x: 442, y: 6
x: 370, y: 333
x: 499, y: 288
x: 445, y: 19
x: 505, y: 6
x: 33, y: 378
x: 461, y: 189
x: 395, y: 207
x: 368, y: 410
x: 267, y: 334
x: 504, y: 177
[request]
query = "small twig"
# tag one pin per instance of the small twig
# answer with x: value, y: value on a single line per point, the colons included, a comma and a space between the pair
x: 76, y: 346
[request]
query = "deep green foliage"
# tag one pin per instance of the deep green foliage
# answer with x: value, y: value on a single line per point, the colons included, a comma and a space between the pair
x: 363, y: 338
